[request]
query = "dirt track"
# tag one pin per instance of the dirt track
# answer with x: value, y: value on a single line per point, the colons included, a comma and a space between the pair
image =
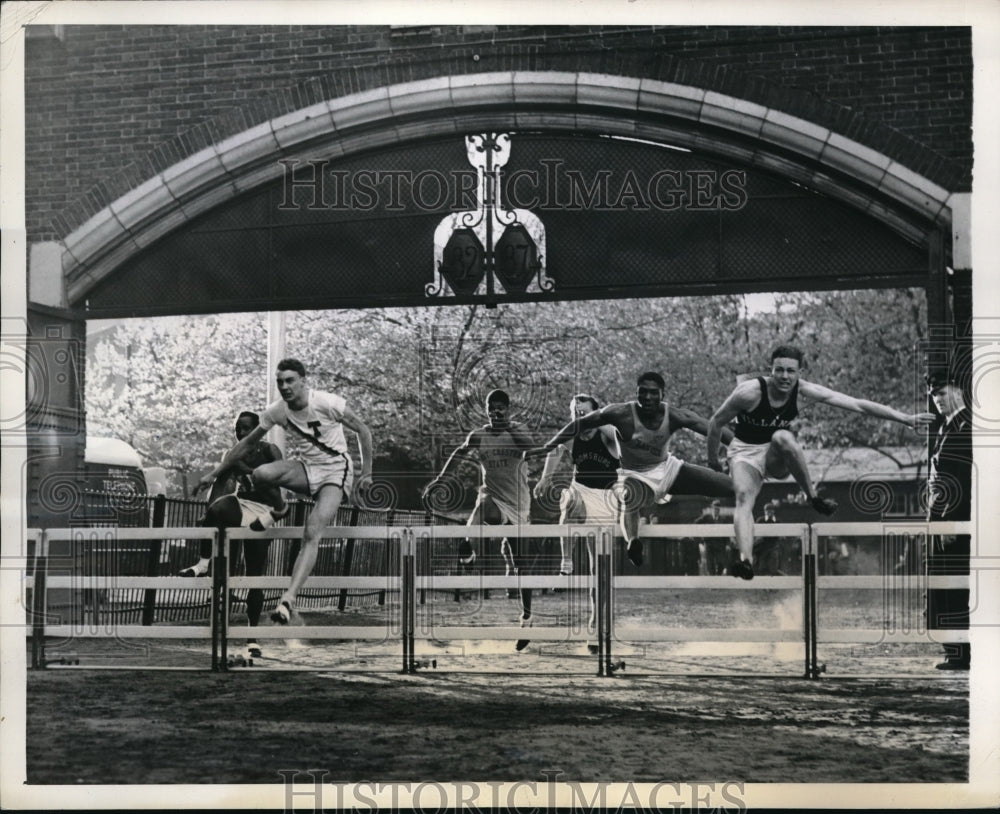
x: 144, y: 727
x: 683, y: 710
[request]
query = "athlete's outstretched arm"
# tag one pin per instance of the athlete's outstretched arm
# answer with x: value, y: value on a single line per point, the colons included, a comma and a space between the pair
x: 744, y: 397
x: 520, y: 436
x: 682, y: 418
x: 552, y: 461
x: 352, y: 422
x: 466, y: 448
x: 612, y: 415
x: 237, y: 453
x: 610, y: 438
x: 825, y: 395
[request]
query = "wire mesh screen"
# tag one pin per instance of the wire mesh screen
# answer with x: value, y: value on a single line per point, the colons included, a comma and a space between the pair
x: 617, y: 214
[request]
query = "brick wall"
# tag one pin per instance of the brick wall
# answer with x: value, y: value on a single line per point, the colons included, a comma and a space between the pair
x: 109, y: 106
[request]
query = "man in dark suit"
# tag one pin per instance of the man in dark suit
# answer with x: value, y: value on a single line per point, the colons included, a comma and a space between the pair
x: 949, y: 497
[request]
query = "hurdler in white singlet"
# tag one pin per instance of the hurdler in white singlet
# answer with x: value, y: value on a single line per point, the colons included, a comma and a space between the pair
x: 645, y: 456
x: 646, y: 448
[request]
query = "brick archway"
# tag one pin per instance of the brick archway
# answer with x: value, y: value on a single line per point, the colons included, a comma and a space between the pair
x: 812, y: 155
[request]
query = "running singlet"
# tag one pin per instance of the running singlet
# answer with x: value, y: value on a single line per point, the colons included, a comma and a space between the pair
x: 758, y: 425
x: 319, y: 420
x: 504, y: 472
x: 595, y: 466
x: 646, y: 448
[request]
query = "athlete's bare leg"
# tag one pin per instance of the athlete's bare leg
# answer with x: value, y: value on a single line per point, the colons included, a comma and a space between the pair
x: 510, y: 566
x: 322, y: 515
x: 785, y: 456
x: 292, y: 475
x: 525, y: 551
x: 221, y: 512
x: 255, y: 559
x: 636, y: 497
x: 700, y: 480
x: 524, y: 559
x: 484, y: 513
x: 747, y: 482
x: 571, y: 513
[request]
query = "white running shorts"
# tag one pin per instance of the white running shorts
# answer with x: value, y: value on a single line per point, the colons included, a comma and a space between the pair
x: 335, y: 472
x: 514, y: 515
x: 252, y: 510
x: 659, y: 478
x: 586, y: 504
x: 754, y: 455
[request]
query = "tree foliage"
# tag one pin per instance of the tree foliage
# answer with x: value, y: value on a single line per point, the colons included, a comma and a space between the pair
x: 419, y: 376
x: 864, y: 343
x: 172, y: 387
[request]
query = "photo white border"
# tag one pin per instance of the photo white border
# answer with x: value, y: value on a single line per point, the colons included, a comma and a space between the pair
x: 984, y: 17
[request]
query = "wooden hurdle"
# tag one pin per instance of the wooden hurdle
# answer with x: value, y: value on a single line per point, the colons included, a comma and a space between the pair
x: 916, y: 583
x: 54, y: 569
x: 45, y: 573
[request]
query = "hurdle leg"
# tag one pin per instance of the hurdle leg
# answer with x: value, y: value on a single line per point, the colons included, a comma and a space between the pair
x: 813, y: 635
x: 807, y: 609
x: 599, y: 592
x: 606, y: 605
x: 408, y: 602
x: 806, y: 613
x: 220, y: 603
x: 38, y: 603
x: 213, y: 608
x: 404, y: 608
x: 411, y: 601
x: 810, y: 573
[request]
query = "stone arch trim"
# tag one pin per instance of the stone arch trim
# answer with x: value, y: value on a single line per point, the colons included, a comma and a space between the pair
x: 804, y: 151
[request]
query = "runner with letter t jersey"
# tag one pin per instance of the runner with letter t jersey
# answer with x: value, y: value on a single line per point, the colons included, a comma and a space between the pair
x: 764, y: 446
x: 319, y: 465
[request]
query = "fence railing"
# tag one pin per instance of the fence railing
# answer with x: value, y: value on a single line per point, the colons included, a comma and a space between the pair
x: 902, y: 617
x: 189, y: 602
x: 109, y: 582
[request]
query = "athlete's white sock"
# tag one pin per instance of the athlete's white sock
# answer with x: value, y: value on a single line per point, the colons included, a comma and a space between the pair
x: 202, y: 566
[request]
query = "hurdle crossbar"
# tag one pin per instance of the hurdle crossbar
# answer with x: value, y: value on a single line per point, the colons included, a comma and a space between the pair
x: 491, y: 532
x: 99, y: 631
x: 49, y: 573
x: 889, y: 633
x: 329, y: 532
x: 635, y: 634
x: 680, y: 530
x: 119, y: 533
x: 406, y: 627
